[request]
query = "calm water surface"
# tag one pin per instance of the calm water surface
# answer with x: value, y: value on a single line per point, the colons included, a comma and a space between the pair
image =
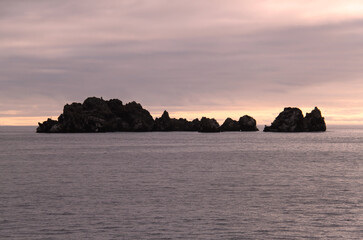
x: 180, y: 185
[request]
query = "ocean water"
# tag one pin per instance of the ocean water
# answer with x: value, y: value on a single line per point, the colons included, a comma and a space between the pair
x: 180, y: 185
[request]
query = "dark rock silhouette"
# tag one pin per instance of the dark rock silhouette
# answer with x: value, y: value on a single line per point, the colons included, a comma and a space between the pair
x: 138, y: 118
x: 165, y: 123
x: 50, y: 126
x: 314, y: 122
x: 195, y: 125
x: 289, y: 120
x: 230, y: 125
x: 292, y: 120
x: 247, y: 123
x: 208, y: 125
x: 98, y: 115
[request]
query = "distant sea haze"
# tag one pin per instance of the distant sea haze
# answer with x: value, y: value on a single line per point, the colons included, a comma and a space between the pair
x: 181, y: 185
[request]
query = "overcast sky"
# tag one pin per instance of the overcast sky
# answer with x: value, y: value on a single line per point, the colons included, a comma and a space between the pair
x: 190, y: 57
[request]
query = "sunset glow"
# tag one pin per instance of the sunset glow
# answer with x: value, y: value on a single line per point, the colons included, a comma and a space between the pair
x: 192, y: 58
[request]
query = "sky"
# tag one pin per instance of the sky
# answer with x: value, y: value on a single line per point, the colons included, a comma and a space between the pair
x: 193, y: 58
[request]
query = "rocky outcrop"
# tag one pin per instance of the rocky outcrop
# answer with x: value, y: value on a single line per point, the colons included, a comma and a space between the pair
x: 208, y: 125
x: 230, y: 125
x: 314, y: 122
x: 98, y: 115
x: 50, y: 126
x: 292, y: 120
x: 139, y: 119
x: 289, y: 120
x: 165, y: 123
x: 247, y: 123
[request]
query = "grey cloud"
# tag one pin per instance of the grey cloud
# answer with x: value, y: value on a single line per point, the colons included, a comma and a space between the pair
x: 165, y: 55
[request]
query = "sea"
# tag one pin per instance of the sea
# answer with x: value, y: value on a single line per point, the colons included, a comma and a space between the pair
x: 181, y: 185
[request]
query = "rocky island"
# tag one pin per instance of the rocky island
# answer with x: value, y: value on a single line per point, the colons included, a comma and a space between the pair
x: 98, y: 115
x: 292, y: 120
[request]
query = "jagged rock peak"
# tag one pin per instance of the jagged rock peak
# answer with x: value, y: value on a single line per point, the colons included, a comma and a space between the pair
x: 292, y: 120
x: 165, y: 123
x: 314, y: 122
x: 165, y: 115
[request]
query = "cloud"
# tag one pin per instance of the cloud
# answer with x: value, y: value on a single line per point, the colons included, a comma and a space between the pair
x: 180, y: 55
